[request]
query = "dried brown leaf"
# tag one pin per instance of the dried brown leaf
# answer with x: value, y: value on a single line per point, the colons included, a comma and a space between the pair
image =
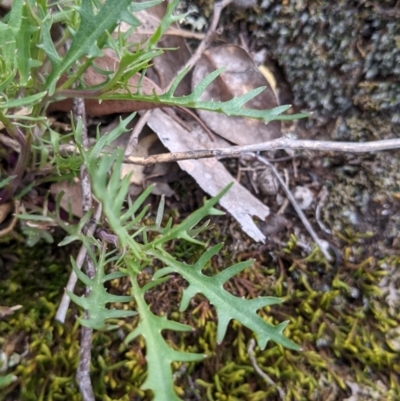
x: 72, y: 198
x: 241, y: 76
x: 210, y: 174
x: 167, y: 65
x: 109, y: 62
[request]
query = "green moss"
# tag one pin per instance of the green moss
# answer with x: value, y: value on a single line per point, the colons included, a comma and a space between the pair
x: 338, y: 316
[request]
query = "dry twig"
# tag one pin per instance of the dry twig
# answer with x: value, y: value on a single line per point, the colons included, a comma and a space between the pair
x: 322, y: 245
x: 235, y: 151
x: 134, y: 137
x: 280, y: 143
x: 212, y: 30
x: 85, y: 354
x: 250, y: 352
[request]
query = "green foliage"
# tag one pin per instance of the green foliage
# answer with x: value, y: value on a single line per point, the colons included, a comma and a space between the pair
x: 140, y: 244
x: 31, y: 67
x: 354, y: 337
x: 227, y: 306
x: 6, y: 380
x: 159, y: 354
x: 231, y: 107
x: 95, y: 302
x: 89, y: 38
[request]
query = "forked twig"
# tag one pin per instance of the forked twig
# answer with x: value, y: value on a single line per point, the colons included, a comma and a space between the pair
x: 322, y: 244
x: 65, y: 301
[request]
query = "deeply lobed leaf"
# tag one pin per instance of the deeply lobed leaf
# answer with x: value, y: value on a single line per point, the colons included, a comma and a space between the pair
x: 95, y: 303
x: 228, y: 307
x: 159, y: 354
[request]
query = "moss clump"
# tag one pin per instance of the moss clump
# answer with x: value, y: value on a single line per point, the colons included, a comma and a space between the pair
x: 338, y: 316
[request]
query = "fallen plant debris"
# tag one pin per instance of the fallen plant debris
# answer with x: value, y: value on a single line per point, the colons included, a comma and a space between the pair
x: 138, y: 262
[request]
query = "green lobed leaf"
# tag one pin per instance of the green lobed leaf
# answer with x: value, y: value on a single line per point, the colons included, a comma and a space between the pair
x: 110, y: 189
x: 159, y: 355
x: 227, y: 306
x: 23, y: 44
x: 92, y: 31
x: 107, y: 139
x: 231, y: 107
x: 7, y: 35
x: 47, y: 44
x: 129, y: 65
x: 75, y: 232
x: 184, y: 229
x: 167, y: 20
x: 95, y: 303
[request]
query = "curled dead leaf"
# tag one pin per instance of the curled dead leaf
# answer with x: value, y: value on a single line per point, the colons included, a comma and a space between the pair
x: 240, y: 76
x: 109, y: 62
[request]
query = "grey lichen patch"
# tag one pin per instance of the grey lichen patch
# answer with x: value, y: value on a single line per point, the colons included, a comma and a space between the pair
x: 341, y: 59
x: 365, y: 197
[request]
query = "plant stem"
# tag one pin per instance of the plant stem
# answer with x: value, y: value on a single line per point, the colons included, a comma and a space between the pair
x: 25, y: 150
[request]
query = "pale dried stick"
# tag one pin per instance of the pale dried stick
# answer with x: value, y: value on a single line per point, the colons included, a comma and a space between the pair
x: 280, y: 143
x: 137, y: 129
x: 250, y: 352
x: 235, y: 151
x: 322, y: 244
x: 85, y: 353
x: 65, y: 301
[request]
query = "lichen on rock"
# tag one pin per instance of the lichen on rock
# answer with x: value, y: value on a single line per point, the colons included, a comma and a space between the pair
x: 341, y: 59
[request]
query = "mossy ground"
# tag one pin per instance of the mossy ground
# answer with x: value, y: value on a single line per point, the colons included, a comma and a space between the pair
x: 338, y: 314
x: 345, y: 317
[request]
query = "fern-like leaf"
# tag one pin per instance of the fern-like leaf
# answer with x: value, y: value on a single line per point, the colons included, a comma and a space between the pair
x: 95, y: 303
x: 86, y: 41
x: 159, y: 354
x: 227, y: 306
x: 233, y: 107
